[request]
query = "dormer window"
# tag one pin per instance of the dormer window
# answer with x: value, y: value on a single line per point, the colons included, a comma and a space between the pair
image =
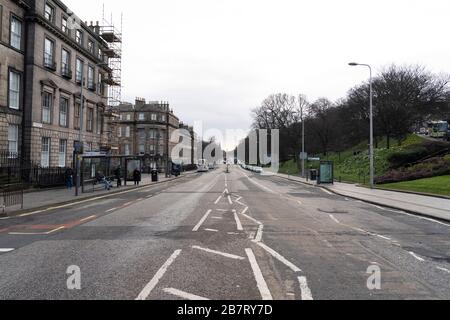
x: 49, y: 12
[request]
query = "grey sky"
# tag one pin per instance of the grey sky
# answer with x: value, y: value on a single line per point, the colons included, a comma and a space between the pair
x: 215, y: 60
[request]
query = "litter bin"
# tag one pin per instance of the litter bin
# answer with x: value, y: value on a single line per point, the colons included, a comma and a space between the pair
x: 313, y: 175
x: 154, y: 174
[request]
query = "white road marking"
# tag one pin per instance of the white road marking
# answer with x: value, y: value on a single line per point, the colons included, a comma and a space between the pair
x: 226, y: 191
x: 239, y: 202
x: 238, y: 199
x: 299, y: 202
x: 29, y: 214
x: 419, y: 217
x: 55, y: 230
x: 184, y: 295
x: 326, y: 191
x: 245, y: 210
x: 218, y: 199
x: 280, y: 258
x: 250, y: 218
x: 152, y: 284
x: 416, y: 256
x: 261, y: 283
x: 238, y: 222
x: 110, y: 210
x: 127, y: 204
x: 88, y: 218
x: 217, y: 218
x: 227, y: 255
x: 443, y: 269
x: 5, y: 250
x: 211, y: 230
x: 229, y: 200
x: 259, y: 234
x: 306, y: 292
x: 383, y: 237
x: 221, y: 210
x: 334, y: 219
x: 232, y: 233
x: 199, y: 224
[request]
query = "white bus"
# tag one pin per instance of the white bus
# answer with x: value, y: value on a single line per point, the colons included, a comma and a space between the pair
x: 202, y: 166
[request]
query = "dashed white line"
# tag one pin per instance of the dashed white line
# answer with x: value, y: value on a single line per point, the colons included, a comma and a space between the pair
x: 334, y: 219
x: 417, y: 257
x: 443, y: 269
x: 30, y: 214
x: 184, y: 295
x: 280, y: 258
x: 261, y: 283
x: 259, y: 234
x: 127, y: 204
x: 152, y: 284
x: 55, y: 230
x: 88, y: 218
x: 250, y: 218
x: 326, y: 191
x: 305, y: 291
x: 211, y: 230
x: 110, y: 210
x: 238, y: 222
x: 229, y: 200
x: 383, y: 237
x: 202, y: 220
x: 5, y: 250
x: 218, y: 199
x: 227, y: 255
x: 245, y: 210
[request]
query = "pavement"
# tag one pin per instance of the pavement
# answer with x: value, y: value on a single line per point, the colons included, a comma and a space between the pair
x: 428, y: 206
x: 224, y: 236
x: 43, y: 199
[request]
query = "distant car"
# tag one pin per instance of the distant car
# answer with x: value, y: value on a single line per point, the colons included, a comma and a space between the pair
x: 211, y: 166
x: 258, y: 169
x: 202, y: 166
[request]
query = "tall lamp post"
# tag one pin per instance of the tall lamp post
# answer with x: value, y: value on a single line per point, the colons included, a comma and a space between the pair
x: 372, y: 160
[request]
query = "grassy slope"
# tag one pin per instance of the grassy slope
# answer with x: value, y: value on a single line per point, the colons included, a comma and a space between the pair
x: 436, y: 185
x: 355, y: 168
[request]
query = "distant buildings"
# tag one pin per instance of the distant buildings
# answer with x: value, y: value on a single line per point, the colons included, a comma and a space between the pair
x: 145, y: 129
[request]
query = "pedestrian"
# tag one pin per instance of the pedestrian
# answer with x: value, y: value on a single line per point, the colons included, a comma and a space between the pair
x: 136, y: 177
x: 68, y: 177
x: 118, y: 174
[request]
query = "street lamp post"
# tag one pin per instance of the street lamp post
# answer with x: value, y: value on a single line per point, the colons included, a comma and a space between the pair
x: 371, y: 148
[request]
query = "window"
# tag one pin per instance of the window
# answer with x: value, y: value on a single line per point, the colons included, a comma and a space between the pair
x: 64, y: 26
x: 49, y: 12
x: 62, y: 153
x: 100, y: 84
x: 76, y: 116
x: 47, y: 102
x: 45, y: 152
x: 16, y: 33
x: 153, y: 117
x: 15, y: 79
x: 79, y: 71
x: 141, y: 116
x: 127, y: 149
x: 91, y: 46
x: 65, y: 63
x: 142, y: 148
x: 91, y: 77
x: 152, y: 134
x: 127, y: 132
x: 128, y: 117
x: 79, y: 37
x: 49, y: 53
x: 152, y: 148
x: 100, y: 54
x: 119, y: 132
x: 63, y: 112
x: 13, y: 138
x: 163, y: 118
x: 89, y: 146
x: 99, y: 121
x: 90, y: 119
x: 141, y: 134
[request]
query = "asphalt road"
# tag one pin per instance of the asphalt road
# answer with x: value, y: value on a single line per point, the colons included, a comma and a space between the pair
x: 224, y: 236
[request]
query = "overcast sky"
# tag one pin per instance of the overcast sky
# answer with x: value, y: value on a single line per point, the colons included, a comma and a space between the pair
x: 215, y: 60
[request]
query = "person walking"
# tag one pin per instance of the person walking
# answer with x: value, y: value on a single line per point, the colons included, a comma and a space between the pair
x: 136, y: 177
x: 118, y: 174
x: 68, y: 177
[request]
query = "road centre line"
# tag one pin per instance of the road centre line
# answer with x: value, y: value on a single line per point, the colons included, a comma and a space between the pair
x: 304, y: 289
x: 88, y: 218
x: 110, y: 210
x: 261, y: 283
x: 227, y: 255
x: 154, y: 281
x: 184, y: 295
x: 202, y: 220
x: 238, y: 222
x: 279, y: 257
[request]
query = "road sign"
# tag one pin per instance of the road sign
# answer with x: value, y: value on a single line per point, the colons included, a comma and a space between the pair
x: 303, y: 156
x: 313, y: 159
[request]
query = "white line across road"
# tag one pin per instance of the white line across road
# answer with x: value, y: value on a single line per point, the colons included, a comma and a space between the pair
x: 259, y: 234
x: 227, y: 255
x: 305, y: 291
x: 279, y: 257
x: 261, y: 283
x: 202, y: 220
x: 211, y: 230
x: 152, y: 284
x: 238, y: 222
x: 229, y: 200
x: 443, y: 269
x: 184, y: 295
x: 5, y: 250
x: 218, y: 199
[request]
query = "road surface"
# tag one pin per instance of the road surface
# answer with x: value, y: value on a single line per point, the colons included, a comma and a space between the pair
x: 224, y: 236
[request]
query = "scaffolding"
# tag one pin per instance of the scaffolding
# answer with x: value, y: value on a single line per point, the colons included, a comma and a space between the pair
x: 112, y: 36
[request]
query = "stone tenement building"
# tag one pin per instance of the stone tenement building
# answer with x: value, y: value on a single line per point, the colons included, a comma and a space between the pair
x: 46, y: 51
x: 142, y: 130
x: 12, y: 61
